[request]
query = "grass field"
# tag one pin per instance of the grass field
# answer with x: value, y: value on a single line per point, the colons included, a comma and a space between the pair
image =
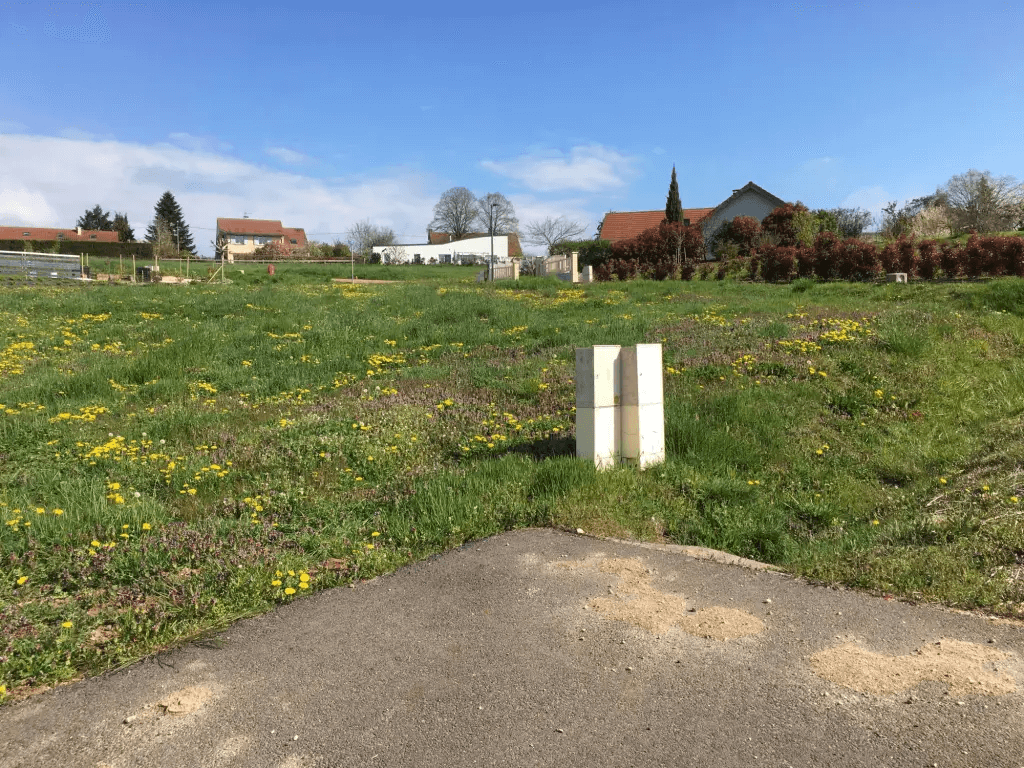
x: 173, y: 458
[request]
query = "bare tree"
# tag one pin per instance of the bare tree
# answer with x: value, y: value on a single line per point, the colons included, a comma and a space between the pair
x: 455, y: 213
x: 394, y: 254
x: 979, y: 201
x: 851, y: 222
x: 551, y: 231
x: 496, y: 214
x: 364, y: 235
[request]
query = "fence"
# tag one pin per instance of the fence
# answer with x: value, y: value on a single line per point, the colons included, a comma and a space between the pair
x: 563, y: 267
x: 40, y: 265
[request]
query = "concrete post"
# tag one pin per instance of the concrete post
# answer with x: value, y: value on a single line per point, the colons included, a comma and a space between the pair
x: 574, y: 274
x: 587, y: 275
x: 597, y: 401
x: 515, y: 269
x: 642, y: 410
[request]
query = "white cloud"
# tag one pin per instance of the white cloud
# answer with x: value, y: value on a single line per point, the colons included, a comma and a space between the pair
x: 52, y: 181
x: 198, y: 143
x: 589, y: 168
x: 286, y: 155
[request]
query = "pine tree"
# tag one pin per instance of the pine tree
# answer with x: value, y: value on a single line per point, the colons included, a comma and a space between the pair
x: 125, y: 233
x: 673, y: 208
x: 168, y: 212
x: 95, y: 219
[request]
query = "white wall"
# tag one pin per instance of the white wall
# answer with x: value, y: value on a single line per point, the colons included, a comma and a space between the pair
x: 750, y: 203
x: 471, y: 247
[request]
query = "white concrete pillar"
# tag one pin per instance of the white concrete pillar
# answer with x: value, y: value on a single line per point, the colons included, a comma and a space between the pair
x: 642, y: 409
x: 597, y: 400
x: 574, y: 274
x: 587, y: 275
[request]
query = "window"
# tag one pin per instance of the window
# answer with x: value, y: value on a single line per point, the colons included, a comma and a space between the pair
x: 26, y: 234
x: 294, y: 241
x: 264, y: 240
x: 92, y: 237
x: 238, y: 239
x: 686, y: 222
x: 60, y: 235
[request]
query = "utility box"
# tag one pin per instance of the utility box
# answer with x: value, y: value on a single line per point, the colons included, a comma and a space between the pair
x: 598, y: 391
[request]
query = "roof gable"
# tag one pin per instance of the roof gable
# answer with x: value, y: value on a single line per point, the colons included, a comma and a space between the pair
x: 748, y: 188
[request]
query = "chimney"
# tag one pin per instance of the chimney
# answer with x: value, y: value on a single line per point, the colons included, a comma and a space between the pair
x: 79, y: 231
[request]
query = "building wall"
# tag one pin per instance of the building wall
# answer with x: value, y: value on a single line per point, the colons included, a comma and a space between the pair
x: 750, y: 204
x: 474, y: 247
x: 247, y: 249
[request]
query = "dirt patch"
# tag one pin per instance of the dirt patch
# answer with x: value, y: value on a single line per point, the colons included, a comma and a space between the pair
x: 967, y: 668
x: 186, y: 701
x: 635, y: 600
x: 360, y: 281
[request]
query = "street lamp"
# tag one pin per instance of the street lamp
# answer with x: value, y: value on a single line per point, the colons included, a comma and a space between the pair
x: 493, y: 206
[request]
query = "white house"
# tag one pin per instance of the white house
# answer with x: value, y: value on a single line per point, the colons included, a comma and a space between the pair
x: 471, y: 250
x: 749, y: 200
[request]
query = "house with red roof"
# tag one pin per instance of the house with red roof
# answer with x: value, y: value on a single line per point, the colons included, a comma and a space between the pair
x: 241, y: 237
x: 749, y: 200
x: 52, y: 234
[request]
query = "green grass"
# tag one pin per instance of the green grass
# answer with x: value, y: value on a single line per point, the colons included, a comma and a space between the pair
x: 213, y: 448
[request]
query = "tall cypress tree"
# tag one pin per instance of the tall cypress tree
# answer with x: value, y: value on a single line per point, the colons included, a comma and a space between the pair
x: 673, y: 208
x: 125, y: 233
x: 169, y: 212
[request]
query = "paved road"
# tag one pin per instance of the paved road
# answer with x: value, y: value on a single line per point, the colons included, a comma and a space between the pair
x: 539, y: 648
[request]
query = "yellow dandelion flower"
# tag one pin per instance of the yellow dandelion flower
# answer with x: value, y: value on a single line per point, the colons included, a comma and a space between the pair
x: 22, y: 580
x: 303, y: 577
x: 375, y: 533
x: 67, y: 625
x: 1014, y: 499
x: 304, y: 585
x: 146, y: 526
x: 369, y: 546
x: 95, y: 543
x: 58, y: 511
x: 275, y: 583
x: 942, y: 481
x: 289, y: 591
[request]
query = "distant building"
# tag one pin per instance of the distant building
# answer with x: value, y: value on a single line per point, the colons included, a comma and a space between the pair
x: 468, y: 250
x: 515, y: 250
x: 52, y: 234
x: 241, y: 237
x: 749, y: 200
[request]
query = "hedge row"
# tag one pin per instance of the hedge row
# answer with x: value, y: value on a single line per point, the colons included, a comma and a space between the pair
x: 76, y: 247
x: 830, y: 258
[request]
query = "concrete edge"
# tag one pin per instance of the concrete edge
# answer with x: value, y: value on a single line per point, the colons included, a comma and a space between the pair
x: 697, y: 553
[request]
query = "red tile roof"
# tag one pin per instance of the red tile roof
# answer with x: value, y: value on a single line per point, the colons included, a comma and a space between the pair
x: 437, y: 238
x: 56, y: 233
x: 625, y: 225
x: 262, y: 227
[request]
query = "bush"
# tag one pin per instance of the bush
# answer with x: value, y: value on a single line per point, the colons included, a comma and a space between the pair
x: 775, y: 263
x: 592, y: 253
x: 927, y: 259
x: 739, y: 236
x: 790, y: 225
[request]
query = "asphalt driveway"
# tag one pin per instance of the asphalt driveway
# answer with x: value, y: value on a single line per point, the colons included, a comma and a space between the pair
x: 540, y: 648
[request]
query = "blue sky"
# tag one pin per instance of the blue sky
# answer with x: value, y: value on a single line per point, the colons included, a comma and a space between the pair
x: 324, y: 117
